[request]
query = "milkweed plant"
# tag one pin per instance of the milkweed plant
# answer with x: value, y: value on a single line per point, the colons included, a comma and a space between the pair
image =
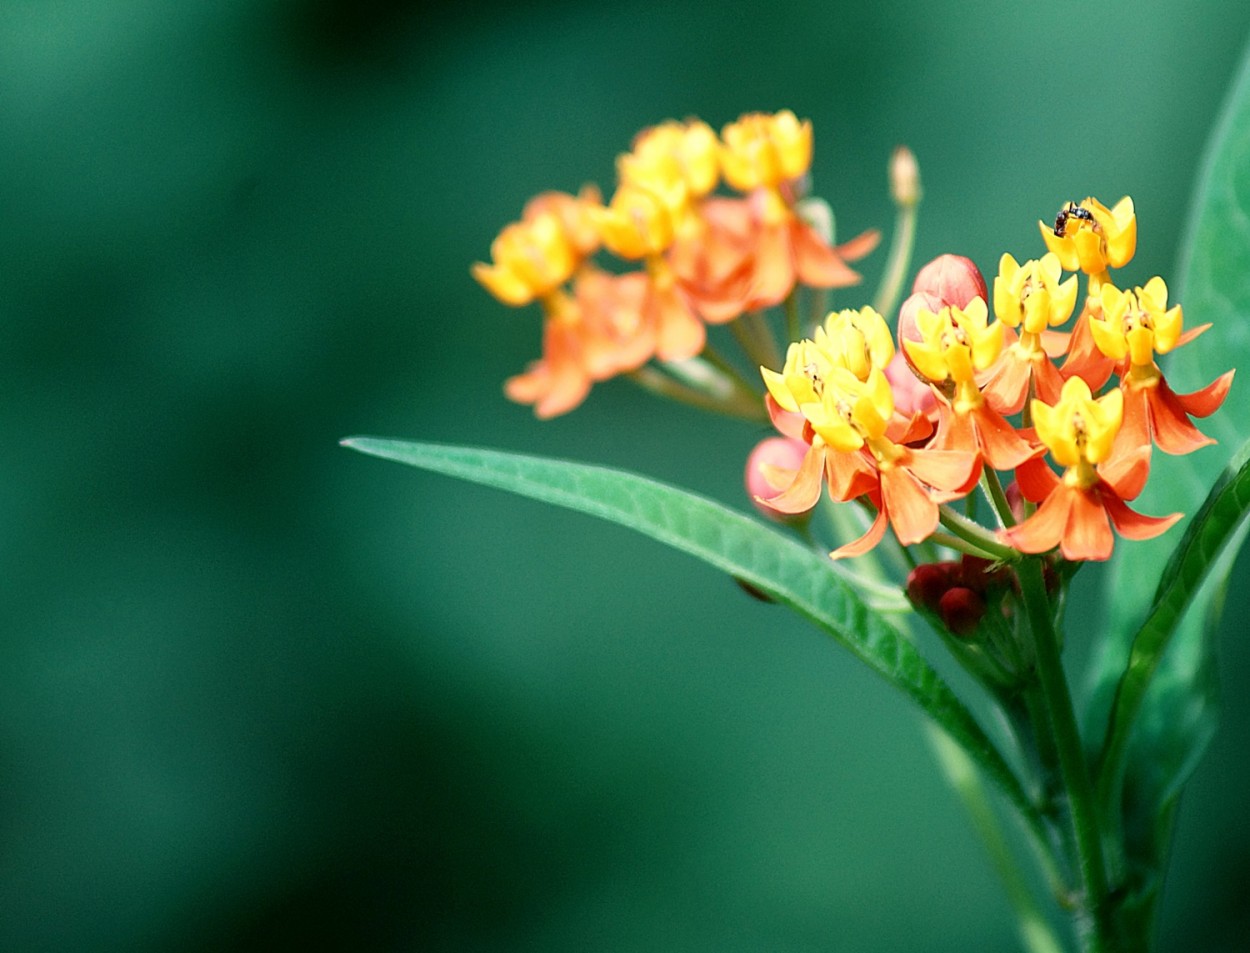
x: 947, y: 455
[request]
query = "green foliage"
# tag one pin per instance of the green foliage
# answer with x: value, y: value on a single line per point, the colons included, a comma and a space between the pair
x: 1162, y: 670
x: 751, y: 552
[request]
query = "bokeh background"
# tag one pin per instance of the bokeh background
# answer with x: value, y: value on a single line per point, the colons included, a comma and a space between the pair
x: 258, y: 692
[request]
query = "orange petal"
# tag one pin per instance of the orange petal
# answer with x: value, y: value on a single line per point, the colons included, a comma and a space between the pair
x: 1170, y: 426
x: 1007, y: 385
x: 804, y: 493
x: 1042, y: 531
x: 1036, y: 479
x: 1088, y: 533
x: 679, y: 334
x: 1133, y: 525
x: 816, y: 264
x: 1001, y: 446
x: 1190, y: 334
x: 1206, y: 401
x: 850, y: 475
x: 859, y: 246
x: 1126, y: 472
x: 866, y: 542
x: 773, y: 276
x: 952, y: 470
x: 912, y: 513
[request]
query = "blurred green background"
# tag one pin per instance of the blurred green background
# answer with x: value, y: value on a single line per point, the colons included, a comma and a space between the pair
x: 258, y: 692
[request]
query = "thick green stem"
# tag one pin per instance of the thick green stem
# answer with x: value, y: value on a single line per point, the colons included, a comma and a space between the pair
x: 1094, y: 914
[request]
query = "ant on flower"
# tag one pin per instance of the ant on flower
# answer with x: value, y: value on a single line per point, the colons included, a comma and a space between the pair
x: 1070, y: 210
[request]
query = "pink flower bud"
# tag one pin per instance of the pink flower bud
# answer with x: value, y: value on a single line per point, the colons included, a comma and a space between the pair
x: 769, y: 470
x: 952, y: 279
x: 911, y: 394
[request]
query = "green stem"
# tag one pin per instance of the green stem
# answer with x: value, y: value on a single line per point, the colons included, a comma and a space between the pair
x: 794, y: 324
x: 994, y: 490
x: 753, y: 335
x: 985, y: 542
x: 897, y: 265
x: 1093, y: 915
x: 730, y: 371
x: 733, y: 404
x: 1035, y: 933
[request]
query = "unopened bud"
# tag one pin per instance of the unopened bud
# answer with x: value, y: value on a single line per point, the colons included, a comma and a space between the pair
x: 961, y: 609
x: 911, y: 394
x: 770, y: 469
x: 929, y: 582
x: 905, y: 178
x: 953, y: 279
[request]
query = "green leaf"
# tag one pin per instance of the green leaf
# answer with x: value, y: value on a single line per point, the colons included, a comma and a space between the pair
x: 746, y: 549
x: 1203, y: 553
x: 1177, y: 709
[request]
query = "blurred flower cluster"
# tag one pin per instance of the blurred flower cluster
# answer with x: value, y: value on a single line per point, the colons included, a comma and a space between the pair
x: 692, y: 257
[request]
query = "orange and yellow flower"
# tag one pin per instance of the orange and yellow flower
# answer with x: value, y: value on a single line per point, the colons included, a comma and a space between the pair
x: 1079, y: 509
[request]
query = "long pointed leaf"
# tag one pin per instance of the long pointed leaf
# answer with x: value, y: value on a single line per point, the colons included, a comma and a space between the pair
x: 1171, y: 663
x: 1212, y: 527
x: 748, y: 550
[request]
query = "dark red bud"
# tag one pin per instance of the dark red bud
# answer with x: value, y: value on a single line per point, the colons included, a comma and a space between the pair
x: 961, y: 609
x: 927, y: 583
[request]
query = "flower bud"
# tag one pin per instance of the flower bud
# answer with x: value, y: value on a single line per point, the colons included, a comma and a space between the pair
x: 769, y: 470
x: 905, y: 178
x: 911, y: 394
x: 961, y: 610
x: 953, y: 279
x: 929, y: 582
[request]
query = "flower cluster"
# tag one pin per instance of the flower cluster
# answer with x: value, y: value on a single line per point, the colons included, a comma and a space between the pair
x: 692, y: 257
x: 1007, y: 394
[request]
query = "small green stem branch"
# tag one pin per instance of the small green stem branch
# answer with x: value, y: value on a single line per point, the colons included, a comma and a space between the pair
x: 897, y: 265
x: 1035, y: 932
x: 976, y: 536
x: 754, y: 336
x: 794, y: 324
x: 1093, y: 918
x: 733, y: 403
x: 994, y: 490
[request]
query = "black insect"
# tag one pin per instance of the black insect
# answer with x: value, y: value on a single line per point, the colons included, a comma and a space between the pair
x: 1070, y: 210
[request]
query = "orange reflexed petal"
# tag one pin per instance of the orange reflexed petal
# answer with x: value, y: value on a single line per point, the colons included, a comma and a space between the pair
x: 849, y: 475
x: 816, y: 264
x: 1036, y: 479
x: 951, y: 471
x: 773, y: 276
x: 804, y: 493
x: 679, y: 334
x: 1000, y: 444
x: 1169, y: 424
x: 1042, y: 531
x: 1088, y: 533
x: 1205, y: 402
x: 1133, y: 525
x: 911, y: 511
x: 876, y: 532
